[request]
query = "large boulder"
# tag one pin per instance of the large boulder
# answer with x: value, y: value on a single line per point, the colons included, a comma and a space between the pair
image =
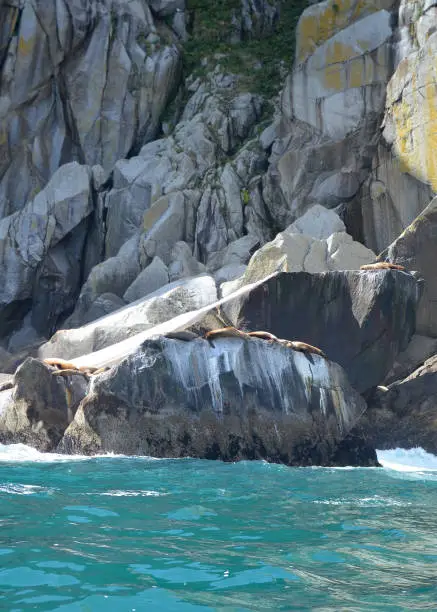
x: 40, y: 406
x: 316, y: 242
x: 360, y: 319
x: 231, y: 398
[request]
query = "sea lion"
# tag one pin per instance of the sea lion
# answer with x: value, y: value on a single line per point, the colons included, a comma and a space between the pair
x: 62, y: 364
x: 302, y: 347
x: 71, y: 372
x: 185, y: 335
x: 225, y: 332
x: 382, y: 265
x: 87, y: 372
x: 9, y: 384
x: 263, y: 335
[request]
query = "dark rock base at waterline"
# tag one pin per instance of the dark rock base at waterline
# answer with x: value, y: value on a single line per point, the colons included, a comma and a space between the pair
x: 285, y: 440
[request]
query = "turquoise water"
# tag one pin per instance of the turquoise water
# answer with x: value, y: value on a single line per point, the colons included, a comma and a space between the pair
x: 120, y: 534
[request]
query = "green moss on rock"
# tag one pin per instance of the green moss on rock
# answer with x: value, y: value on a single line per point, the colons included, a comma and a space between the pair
x: 259, y: 62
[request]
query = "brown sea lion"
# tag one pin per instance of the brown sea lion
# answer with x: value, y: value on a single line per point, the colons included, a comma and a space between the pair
x: 71, y: 372
x: 87, y: 372
x: 263, y: 335
x: 62, y: 364
x: 382, y: 265
x: 225, y: 332
x: 302, y: 347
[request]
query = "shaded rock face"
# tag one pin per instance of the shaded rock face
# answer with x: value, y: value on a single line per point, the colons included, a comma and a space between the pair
x: 405, y: 415
x: 228, y: 398
x: 83, y: 81
x: 40, y: 406
x: 416, y: 249
x: 361, y: 320
x: 41, y: 247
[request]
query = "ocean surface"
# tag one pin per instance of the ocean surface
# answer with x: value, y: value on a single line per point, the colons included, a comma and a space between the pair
x: 136, y: 534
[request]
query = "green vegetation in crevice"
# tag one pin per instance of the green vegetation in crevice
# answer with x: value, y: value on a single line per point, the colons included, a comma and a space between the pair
x: 257, y: 60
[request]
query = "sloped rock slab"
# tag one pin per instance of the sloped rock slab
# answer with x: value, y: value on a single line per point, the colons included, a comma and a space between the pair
x: 230, y: 398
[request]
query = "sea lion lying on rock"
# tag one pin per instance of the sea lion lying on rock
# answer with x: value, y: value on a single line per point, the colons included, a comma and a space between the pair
x: 382, y: 265
x: 225, y: 332
x: 263, y: 335
x: 303, y: 347
x: 233, y: 332
x: 66, y: 368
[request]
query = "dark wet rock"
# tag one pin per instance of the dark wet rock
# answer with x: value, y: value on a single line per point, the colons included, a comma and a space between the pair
x: 229, y: 399
x: 404, y: 415
x: 354, y: 450
x: 361, y: 320
x: 39, y: 407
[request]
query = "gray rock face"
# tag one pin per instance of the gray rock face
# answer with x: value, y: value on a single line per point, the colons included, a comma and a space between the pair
x: 230, y: 398
x: 332, y: 104
x: 149, y: 280
x: 416, y: 249
x: 361, y: 320
x: 419, y: 350
x: 40, y: 251
x: 80, y: 81
x: 40, y: 406
x: 162, y: 305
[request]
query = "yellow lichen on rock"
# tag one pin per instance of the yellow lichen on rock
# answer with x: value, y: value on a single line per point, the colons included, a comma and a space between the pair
x: 412, y: 107
x: 322, y: 21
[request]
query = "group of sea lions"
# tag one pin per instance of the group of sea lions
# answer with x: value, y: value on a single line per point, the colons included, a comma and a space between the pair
x: 64, y: 368
x: 295, y: 345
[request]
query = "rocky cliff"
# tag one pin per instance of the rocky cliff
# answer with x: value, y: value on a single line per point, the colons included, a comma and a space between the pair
x: 158, y: 155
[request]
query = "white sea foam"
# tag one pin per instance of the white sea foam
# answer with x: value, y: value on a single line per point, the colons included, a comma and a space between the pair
x: 411, y: 460
x: 23, y: 489
x: 17, y: 453
x: 133, y: 493
x: 21, y: 453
